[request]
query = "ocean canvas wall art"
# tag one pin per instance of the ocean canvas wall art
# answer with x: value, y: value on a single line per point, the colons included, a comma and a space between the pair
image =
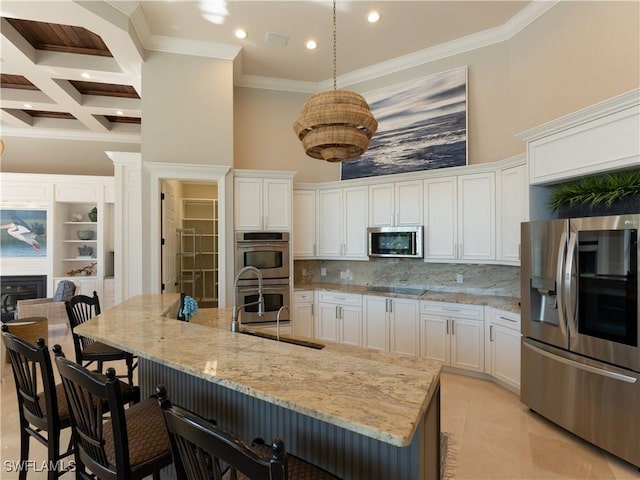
x: 422, y: 125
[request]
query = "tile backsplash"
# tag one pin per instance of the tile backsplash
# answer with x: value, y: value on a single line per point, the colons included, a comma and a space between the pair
x: 443, y: 277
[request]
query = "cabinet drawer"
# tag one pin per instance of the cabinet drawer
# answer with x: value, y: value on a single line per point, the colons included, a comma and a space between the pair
x: 458, y: 310
x: 305, y: 296
x: 506, y: 319
x: 340, y: 298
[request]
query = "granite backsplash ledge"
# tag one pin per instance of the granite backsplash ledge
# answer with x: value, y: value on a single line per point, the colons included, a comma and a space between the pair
x: 498, y: 280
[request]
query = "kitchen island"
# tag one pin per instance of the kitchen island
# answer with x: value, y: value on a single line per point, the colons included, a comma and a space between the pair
x: 359, y: 413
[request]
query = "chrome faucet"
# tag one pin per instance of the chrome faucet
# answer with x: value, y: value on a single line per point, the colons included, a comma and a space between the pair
x: 235, y: 319
x: 278, y: 320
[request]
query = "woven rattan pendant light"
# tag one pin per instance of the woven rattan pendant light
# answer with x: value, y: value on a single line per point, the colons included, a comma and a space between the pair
x: 335, y: 125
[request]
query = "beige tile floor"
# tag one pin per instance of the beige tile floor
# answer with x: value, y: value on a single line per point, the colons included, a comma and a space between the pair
x: 493, y: 436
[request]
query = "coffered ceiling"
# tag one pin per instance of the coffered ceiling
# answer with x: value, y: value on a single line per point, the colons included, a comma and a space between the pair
x: 71, y: 70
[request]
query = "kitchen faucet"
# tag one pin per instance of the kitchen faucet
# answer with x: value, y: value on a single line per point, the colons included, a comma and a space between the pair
x: 235, y: 319
x: 278, y: 320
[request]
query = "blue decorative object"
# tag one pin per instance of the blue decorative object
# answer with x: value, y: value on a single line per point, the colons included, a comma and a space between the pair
x: 188, y: 308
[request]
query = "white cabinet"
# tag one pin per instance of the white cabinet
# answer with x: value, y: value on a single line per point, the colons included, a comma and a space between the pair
x: 504, y: 344
x: 391, y: 324
x: 453, y: 334
x: 513, y: 207
x: 302, y: 316
x: 342, y: 223
x: 339, y: 317
x: 304, y: 224
x: 262, y: 203
x: 395, y: 204
x: 460, y: 217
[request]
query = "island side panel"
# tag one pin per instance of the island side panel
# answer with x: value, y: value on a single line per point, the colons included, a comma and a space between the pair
x: 347, y: 454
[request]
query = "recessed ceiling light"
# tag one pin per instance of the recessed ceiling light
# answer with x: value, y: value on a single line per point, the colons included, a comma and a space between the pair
x: 27, y: 105
x: 373, y: 17
x: 85, y: 75
x: 311, y: 45
x: 119, y: 112
x: 240, y: 33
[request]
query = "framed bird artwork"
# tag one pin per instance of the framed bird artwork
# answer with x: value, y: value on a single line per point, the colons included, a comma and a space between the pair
x: 23, y: 233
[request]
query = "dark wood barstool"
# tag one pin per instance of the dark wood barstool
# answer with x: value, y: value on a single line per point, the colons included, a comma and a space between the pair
x: 80, y: 309
x: 200, y: 449
x: 129, y: 444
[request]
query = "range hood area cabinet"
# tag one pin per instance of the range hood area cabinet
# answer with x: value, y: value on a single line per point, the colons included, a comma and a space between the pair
x: 472, y: 215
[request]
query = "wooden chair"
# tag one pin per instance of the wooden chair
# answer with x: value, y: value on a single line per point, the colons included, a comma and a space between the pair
x: 129, y: 444
x: 42, y: 406
x: 200, y: 449
x: 81, y: 308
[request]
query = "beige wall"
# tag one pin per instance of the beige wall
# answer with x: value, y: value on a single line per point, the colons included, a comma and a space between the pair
x: 188, y: 110
x: 576, y: 54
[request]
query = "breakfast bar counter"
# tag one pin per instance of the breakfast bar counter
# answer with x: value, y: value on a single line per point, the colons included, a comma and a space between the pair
x: 360, y: 413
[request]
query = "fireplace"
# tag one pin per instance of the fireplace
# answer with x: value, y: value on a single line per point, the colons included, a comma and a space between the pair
x: 19, y: 287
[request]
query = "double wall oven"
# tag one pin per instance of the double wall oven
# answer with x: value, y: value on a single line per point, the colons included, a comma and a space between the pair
x: 580, y: 314
x: 268, y: 252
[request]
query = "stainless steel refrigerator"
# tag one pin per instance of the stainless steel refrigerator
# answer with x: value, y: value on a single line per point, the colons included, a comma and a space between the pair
x: 580, y: 337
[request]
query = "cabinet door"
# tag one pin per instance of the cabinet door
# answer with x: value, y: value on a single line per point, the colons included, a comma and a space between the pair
x: 330, y: 223
x: 355, y: 222
x: 302, y: 320
x: 277, y: 204
x: 304, y: 224
x: 404, y: 326
x: 350, y: 325
x: 441, y: 214
x: 513, y: 210
x: 435, y: 338
x: 381, y: 205
x: 467, y: 344
x: 327, y: 322
x: 476, y: 217
x: 375, y: 322
x: 247, y: 199
x: 408, y: 203
x: 505, y: 355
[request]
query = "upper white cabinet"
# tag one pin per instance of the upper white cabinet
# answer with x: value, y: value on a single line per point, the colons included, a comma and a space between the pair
x: 513, y: 208
x: 342, y: 223
x: 304, y: 224
x: 596, y: 139
x: 460, y: 217
x: 262, y: 201
x: 391, y: 324
x: 395, y: 204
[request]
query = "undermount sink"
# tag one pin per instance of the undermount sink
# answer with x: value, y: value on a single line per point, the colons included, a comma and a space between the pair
x: 293, y: 341
x: 398, y: 290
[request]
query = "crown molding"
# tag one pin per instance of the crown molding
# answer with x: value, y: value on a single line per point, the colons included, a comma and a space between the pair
x: 71, y: 135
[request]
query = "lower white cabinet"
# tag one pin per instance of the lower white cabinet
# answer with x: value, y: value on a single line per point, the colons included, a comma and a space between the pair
x: 391, y: 324
x: 453, y: 334
x: 84, y: 286
x: 339, y: 318
x: 504, y: 344
x: 302, y: 316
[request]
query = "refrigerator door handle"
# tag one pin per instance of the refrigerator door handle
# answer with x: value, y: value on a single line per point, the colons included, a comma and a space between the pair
x: 582, y: 366
x: 562, y: 319
x: 568, y: 285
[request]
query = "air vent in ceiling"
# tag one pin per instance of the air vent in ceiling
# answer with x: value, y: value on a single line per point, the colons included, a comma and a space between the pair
x: 272, y: 38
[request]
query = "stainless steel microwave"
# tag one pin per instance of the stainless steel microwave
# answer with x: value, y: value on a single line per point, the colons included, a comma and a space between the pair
x: 405, y: 242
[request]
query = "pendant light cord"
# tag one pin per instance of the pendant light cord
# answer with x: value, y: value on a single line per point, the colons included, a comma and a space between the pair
x: 334, y: 45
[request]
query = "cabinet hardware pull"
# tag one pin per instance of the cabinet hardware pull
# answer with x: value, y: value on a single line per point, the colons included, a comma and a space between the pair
x: 390, y: 305
x: 453, y: 324
x: 448, y: 326
x: 491, y: 333
x: 509, y: 319
x: 450, y: 309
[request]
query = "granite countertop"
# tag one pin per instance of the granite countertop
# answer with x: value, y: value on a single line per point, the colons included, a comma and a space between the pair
x: 510, y: 304
x: 379, y: 395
